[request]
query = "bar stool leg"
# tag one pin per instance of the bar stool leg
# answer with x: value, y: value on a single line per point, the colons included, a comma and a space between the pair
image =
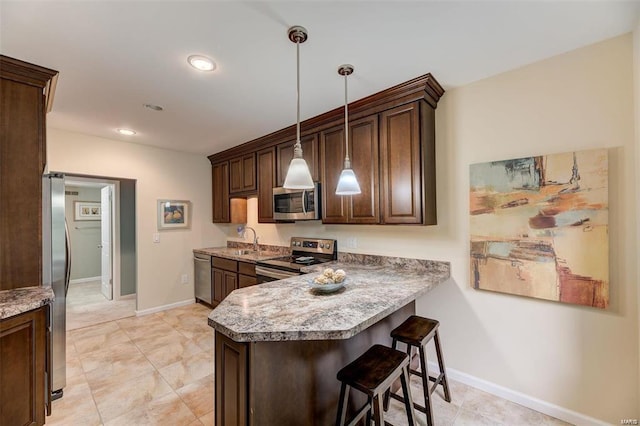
x: 406, y: 390
x: 370, y: 411
x: 342, y: 404
x: 425, y: 385
x: 445, y: 382
x: 378, y: 411
x: 386, y: 394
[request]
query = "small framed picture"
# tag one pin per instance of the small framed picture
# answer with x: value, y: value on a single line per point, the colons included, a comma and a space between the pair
x: 87, y: 210
x: 174, y: 214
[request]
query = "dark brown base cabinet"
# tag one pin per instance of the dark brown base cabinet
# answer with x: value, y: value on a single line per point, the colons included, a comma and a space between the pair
x: 228, y: 275
x: 392, y: 151
x: 290, y: 382
x: 23, y: 365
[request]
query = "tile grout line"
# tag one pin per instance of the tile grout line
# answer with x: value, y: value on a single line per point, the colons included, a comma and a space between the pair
x: 158, y: 371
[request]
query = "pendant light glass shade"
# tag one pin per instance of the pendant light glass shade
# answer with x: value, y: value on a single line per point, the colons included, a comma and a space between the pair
x: 298, y: 174
x: 348, y: 183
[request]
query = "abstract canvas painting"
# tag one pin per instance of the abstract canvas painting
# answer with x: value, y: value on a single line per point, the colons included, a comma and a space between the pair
x: 539, y: 227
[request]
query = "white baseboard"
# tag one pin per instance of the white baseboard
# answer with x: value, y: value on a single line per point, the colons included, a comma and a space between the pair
x: 539, y: 405
x: 128, y: 296
x: 165, y: 307
x: 84, y: 280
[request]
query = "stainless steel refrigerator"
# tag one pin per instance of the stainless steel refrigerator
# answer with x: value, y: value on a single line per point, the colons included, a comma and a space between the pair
x: 56, y: 266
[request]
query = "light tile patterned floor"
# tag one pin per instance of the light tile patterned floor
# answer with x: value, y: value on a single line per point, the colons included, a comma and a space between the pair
x: 87, y: 306
x: 158, y: 370
x: 150, y: 370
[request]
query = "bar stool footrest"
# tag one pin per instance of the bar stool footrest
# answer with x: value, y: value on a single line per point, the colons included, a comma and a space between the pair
x: 362, y: 412
x: 401, y: 399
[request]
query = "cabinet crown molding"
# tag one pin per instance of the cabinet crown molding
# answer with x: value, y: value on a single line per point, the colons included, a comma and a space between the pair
x: 425, y: 87
x: 31, y: 74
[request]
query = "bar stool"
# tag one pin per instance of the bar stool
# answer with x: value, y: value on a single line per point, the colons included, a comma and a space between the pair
x: 372, y: 374
x: 417, y: 332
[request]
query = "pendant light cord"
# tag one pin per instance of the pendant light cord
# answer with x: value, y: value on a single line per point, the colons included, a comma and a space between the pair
x: 298, y: 92
x: 347, y: 162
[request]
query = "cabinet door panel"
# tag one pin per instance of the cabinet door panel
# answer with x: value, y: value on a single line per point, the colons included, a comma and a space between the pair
x: 218, y: 285
x: 242, y: 174
x: 230, y: 282
x: 231, y: 381
x: 309, y: 153
x: 334, y: 207
x: 401, y: 186
x: 235, y: 175
x: 246, y: 281
x: 21, y: 167
x: 220, y: 192
x: 266, y: 182
x: 249, y: 172
x: 22, y: 369
x: 363, y: 148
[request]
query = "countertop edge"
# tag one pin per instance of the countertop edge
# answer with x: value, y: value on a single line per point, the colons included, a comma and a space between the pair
x: 281, y: 336
x: 21, y: 300
x: 250, y: 258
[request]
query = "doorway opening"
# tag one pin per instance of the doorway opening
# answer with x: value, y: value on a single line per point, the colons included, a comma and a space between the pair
x: 100, y: 215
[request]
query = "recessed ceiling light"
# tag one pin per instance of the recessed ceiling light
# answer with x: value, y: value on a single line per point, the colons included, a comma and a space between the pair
x: 201, y: 63
x: 126, y: 132
x: 153, y: 107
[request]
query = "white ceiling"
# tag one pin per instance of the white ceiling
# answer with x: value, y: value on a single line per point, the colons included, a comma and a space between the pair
x: 115, y: 56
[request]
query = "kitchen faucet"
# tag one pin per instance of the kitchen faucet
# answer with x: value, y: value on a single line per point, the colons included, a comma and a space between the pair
x: 255, y: 236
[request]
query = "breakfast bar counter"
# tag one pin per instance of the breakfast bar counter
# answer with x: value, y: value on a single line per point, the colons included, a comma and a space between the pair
x: 279, y: 345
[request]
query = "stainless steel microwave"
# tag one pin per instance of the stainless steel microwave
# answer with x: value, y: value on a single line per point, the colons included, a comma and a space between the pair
x: 296, y: 204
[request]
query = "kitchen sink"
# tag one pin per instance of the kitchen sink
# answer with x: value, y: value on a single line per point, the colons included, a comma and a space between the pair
x: 241, y: 252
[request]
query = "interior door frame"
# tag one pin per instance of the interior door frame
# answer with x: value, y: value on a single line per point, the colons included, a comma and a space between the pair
x: 115, y: 226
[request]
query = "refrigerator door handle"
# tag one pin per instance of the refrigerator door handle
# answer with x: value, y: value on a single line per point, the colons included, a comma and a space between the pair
x: 67, y: 253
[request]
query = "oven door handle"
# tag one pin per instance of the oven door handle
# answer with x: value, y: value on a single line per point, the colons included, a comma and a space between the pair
x: 272, y: 273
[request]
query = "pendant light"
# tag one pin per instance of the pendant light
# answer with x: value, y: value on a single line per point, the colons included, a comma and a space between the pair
x: 298, y: 175
x: 347, y: 184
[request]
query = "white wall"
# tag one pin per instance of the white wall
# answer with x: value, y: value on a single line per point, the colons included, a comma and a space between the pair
x: 159, y: 174
x: 84, y: 235
x: 579, y: 358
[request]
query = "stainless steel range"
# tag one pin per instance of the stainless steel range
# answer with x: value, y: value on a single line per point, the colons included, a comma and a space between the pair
x: 304, y: 252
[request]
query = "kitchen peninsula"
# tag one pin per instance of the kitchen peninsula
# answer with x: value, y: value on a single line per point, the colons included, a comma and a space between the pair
x: 279, y: 345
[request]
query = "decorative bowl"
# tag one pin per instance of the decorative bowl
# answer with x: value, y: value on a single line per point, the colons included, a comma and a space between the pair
x: 326, y: 288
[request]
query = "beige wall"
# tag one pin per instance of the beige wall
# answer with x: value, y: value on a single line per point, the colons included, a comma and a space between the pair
x: 159, y: 174
x: 84, y: 235
x: 582, y: 359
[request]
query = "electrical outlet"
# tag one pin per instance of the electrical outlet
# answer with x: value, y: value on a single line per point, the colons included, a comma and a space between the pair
x: 184, y: 279
x: 156, y: 237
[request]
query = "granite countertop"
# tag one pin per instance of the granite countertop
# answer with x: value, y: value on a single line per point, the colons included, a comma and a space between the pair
x: 20, y: 300
x: 289, y: 310
x: 232, y: 253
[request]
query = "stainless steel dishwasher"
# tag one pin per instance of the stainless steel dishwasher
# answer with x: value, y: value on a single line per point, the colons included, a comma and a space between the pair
x: 202, y: 274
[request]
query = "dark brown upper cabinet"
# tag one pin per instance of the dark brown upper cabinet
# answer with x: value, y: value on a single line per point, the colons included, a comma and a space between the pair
x: 220, y: 190
x: 363, y: 152
x: 284, y: 154
x: 266, y: 182
x: 242, y: 174
x: 26, y: 94
x: 392, y: 151
x: 400, y: 162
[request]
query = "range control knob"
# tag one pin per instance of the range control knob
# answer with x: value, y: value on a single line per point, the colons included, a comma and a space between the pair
x: 321, y: 245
